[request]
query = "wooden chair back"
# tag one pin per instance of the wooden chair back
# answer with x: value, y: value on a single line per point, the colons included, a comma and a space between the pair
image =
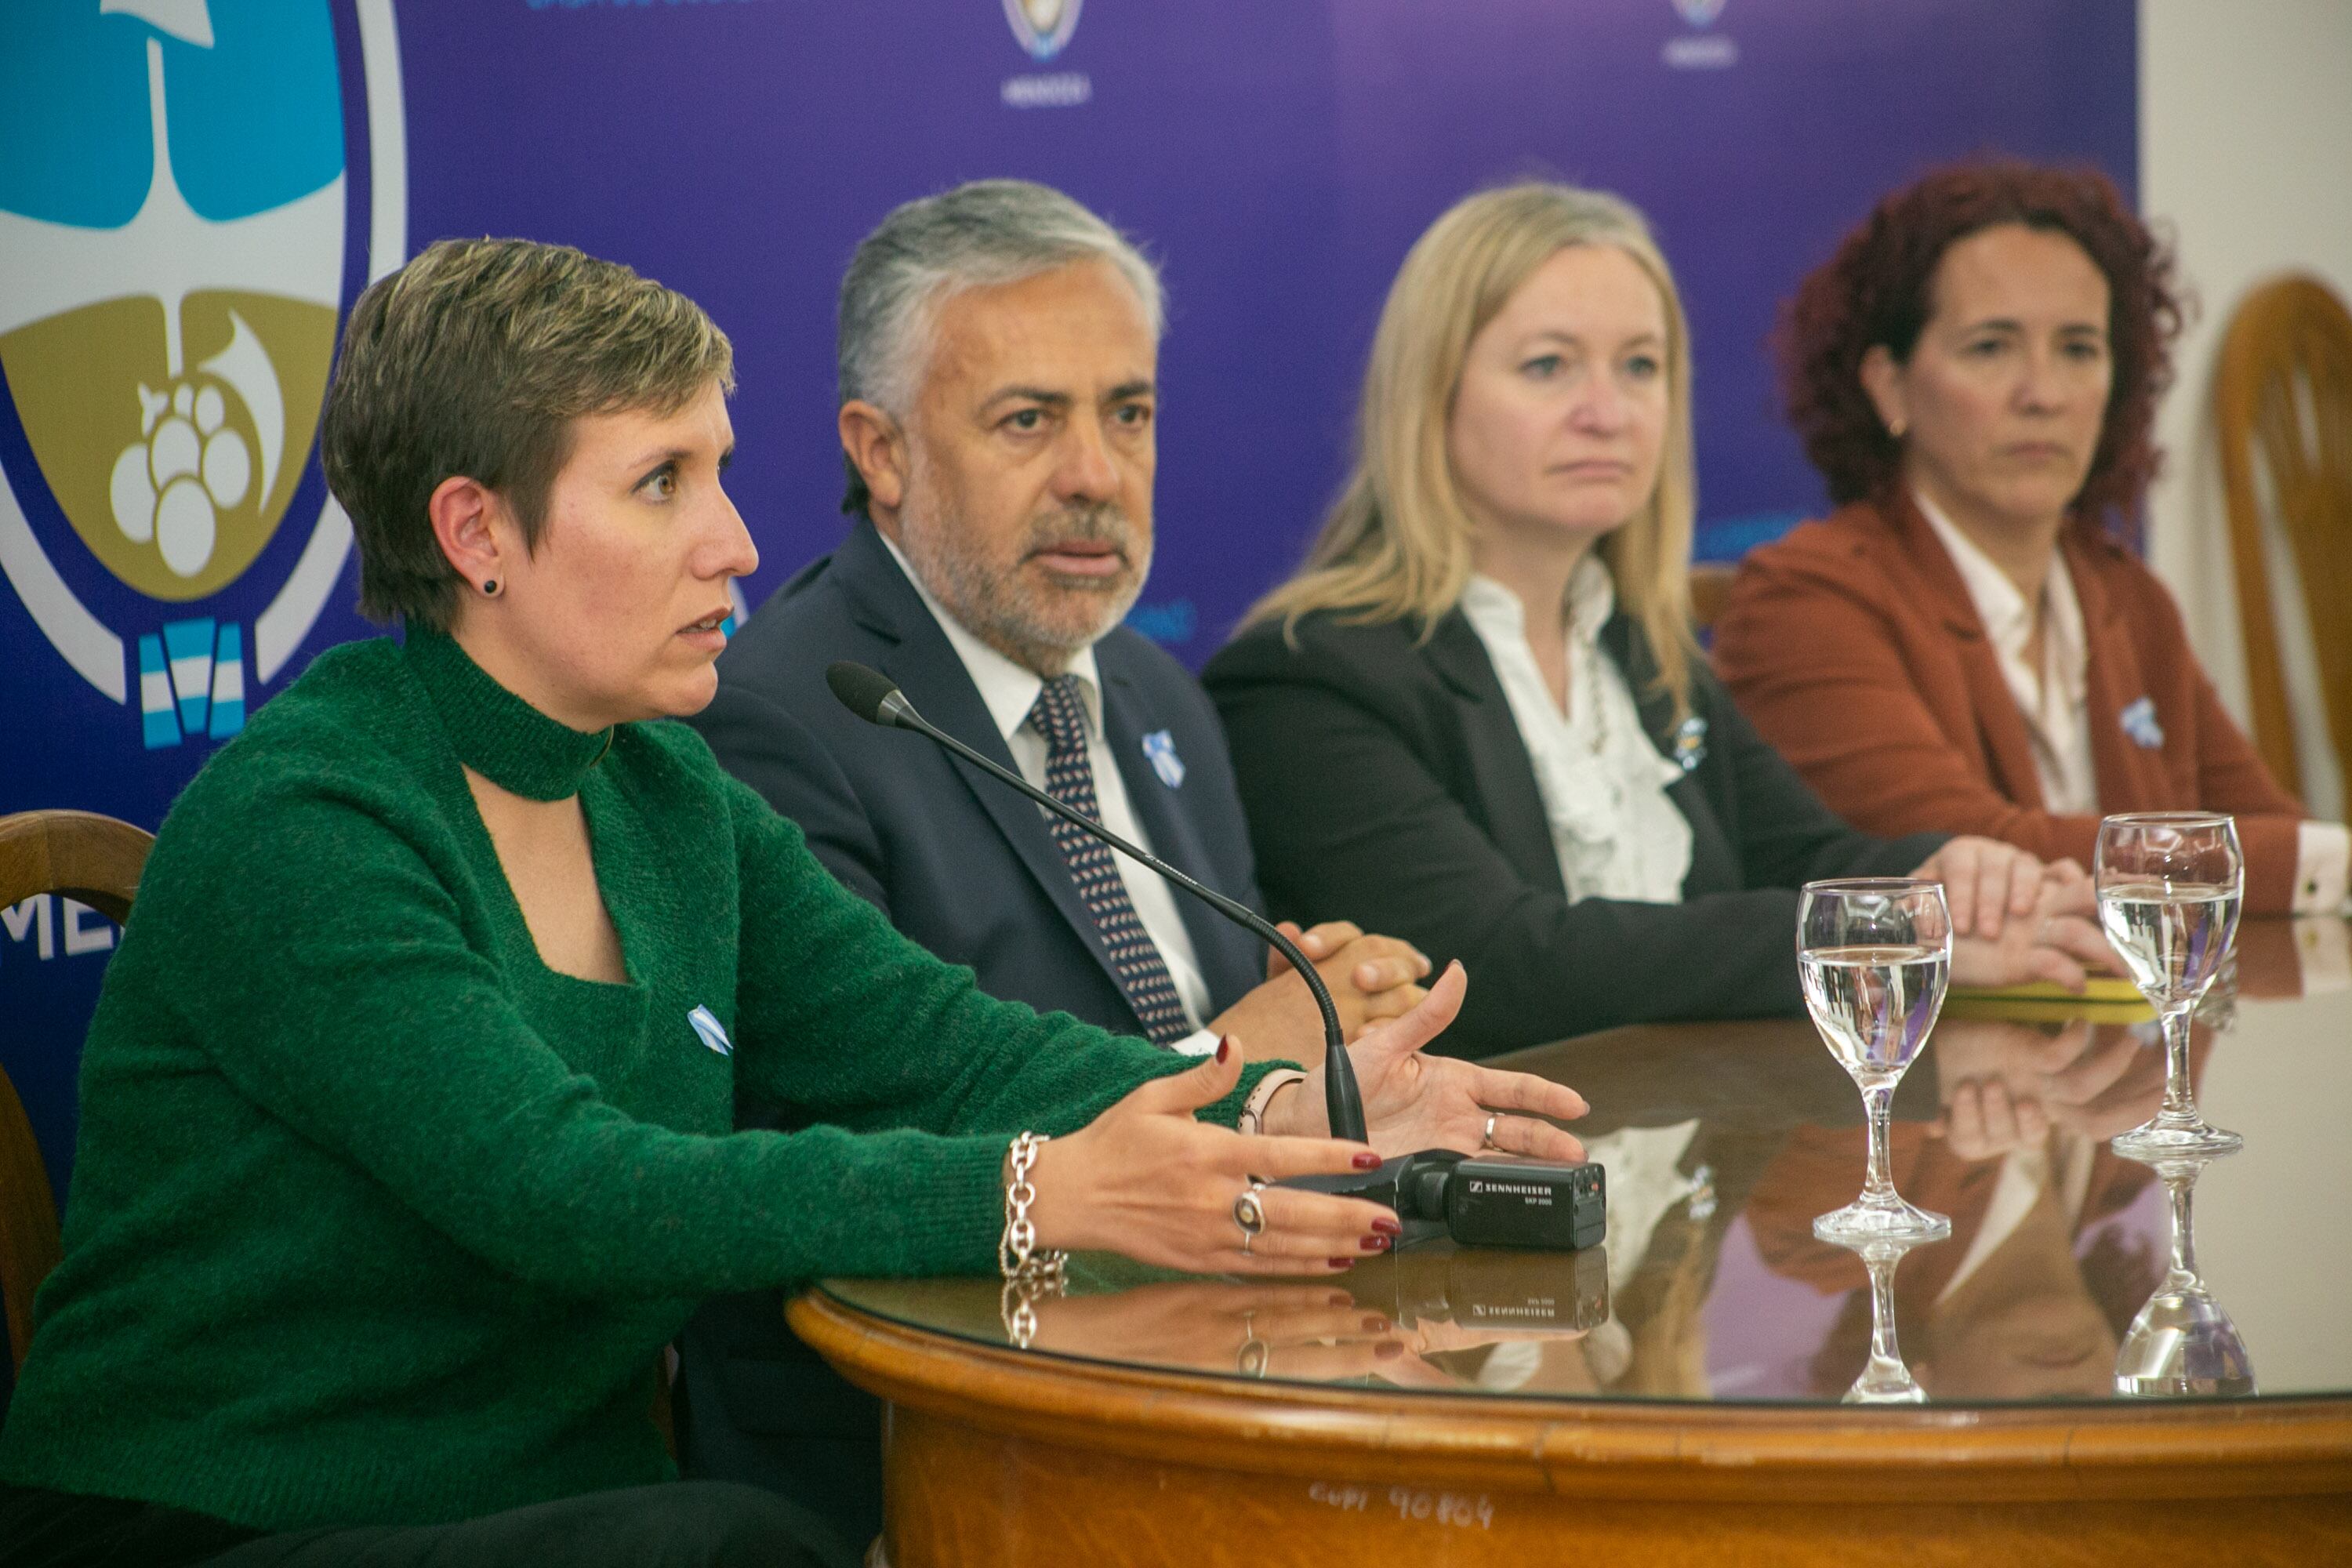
x: 2283, y: 412
x: 95, y: 860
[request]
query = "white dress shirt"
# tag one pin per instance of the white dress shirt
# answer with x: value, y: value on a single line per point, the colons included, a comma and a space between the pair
x: 1603, y: 785
x: 2056, y: 711
x: 1010, y: 691
x: 2052, y: 697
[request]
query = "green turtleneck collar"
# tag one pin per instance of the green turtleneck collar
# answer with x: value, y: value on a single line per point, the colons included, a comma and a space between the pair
x: 497, y: 733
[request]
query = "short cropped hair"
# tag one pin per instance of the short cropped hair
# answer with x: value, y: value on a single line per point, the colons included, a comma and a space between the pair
x: 1875, y: 292
x: 474, y: 359
x: 980, y: 235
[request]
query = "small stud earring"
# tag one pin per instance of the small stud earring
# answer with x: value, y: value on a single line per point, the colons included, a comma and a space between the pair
x: 489, y: 587
x: 1895, y: 427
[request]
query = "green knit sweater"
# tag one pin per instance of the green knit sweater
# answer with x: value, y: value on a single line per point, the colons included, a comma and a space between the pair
x: 377, y: 1219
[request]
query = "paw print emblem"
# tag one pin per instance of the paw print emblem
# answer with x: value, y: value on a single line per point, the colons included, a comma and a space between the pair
x: 171, y: 486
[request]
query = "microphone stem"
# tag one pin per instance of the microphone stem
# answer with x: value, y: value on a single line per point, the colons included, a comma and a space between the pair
x: 1343, y: 1101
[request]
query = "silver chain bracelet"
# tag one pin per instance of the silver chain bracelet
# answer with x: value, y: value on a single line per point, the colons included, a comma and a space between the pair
x: 1017, y: 1255
x: 1029, y: 1273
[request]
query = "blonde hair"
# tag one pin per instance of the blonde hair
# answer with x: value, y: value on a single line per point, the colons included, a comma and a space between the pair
x: 1396, y: 544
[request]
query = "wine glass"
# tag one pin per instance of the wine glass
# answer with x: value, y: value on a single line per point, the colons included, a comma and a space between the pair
x: 1884, y: 1378
x: 2169, y: 884
x: 1874, y: 954
x: 2182, y: 1342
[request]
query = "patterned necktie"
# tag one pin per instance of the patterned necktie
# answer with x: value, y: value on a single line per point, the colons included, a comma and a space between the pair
x: 1060, y: 716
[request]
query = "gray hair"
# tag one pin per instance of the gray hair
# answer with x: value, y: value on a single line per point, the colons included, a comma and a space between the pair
x: 980, y: 235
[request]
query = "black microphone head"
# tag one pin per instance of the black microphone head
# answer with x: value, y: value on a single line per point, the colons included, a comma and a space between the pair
x: 862, y: 691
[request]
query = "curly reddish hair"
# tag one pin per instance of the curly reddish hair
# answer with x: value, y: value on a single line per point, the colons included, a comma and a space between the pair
x: 1875, y: 290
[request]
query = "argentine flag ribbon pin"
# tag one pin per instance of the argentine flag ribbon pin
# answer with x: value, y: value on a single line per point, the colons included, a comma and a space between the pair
x: 1160, y: 749
x: 714, y: 1034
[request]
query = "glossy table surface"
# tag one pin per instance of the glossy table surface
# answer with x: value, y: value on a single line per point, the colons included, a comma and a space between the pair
x: 1721, y: 1143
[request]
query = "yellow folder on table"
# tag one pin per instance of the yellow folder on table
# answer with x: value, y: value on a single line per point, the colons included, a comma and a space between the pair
x: 2106, y: 998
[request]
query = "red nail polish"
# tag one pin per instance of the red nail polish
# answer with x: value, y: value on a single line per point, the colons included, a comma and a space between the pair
x: 1224, y: 1048
x: 1373, y: 1243
x: 1388, y: 1350
x: 1387, y: 1226
x: 1368, y: 1161
x: 1342, y: 1262
x: 1375, y: 1325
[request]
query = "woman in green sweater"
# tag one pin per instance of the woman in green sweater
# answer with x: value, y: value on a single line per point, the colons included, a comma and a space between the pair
x: 405, y: 1112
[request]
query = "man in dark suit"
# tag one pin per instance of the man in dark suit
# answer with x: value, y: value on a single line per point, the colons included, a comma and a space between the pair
x: 999, y: 349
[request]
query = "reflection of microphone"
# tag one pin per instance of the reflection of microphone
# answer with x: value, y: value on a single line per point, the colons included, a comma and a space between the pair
x: 1491, y: 1289
x: 875, y: 697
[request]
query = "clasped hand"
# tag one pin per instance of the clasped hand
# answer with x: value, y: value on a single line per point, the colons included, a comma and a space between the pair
x: 2016, y: 919
x: 1370, y: 978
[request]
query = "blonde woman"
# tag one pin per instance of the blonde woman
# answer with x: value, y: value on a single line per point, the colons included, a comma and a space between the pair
x: 1477, y: 718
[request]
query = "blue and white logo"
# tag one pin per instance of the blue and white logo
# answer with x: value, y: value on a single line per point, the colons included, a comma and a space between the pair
x: 1159, y: 751
x: 174, y: 218
x: 712, y: 1032
x: 2139, y: 721
x: 1043, y: 27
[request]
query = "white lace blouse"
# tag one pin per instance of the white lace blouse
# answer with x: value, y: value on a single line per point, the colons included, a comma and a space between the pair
x: 1603, y: 785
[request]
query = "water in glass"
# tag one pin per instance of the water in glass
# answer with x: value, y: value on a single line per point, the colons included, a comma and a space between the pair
x: 1873, y: 956
x: 2169, y: 885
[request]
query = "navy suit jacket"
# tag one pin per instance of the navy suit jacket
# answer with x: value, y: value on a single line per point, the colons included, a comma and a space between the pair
x: 957, y: 859
x: 963, y: 864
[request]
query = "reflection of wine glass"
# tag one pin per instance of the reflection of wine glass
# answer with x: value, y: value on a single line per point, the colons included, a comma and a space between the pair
x: 2168, y: 885
x: 1874, y: 954
x: 2182, y: 1341
x: 1885, y: 1379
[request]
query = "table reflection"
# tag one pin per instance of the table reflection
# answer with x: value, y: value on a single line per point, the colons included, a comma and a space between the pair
x: 2049, y: 1257
x: 1885, y: 1379
x: 1723, y: 1141
x: 2182, y: 1341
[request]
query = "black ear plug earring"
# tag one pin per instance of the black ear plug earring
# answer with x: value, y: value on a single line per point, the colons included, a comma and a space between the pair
x: 489, y: 587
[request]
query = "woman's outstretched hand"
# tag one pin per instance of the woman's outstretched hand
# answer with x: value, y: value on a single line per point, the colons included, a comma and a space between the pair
x: 1146, y: 1180
x: 1413, y: 1102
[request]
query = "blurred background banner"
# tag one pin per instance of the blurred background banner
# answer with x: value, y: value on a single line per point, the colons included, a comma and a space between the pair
x: 191, y: 193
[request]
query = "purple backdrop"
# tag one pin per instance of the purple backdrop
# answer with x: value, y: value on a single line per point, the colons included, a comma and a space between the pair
x: 1278, y: 158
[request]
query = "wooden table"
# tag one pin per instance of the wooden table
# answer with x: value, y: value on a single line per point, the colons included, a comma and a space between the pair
x: 1676, y: 1401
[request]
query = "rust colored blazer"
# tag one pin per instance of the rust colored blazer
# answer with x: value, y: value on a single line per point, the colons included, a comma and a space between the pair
x: 1853, y: 647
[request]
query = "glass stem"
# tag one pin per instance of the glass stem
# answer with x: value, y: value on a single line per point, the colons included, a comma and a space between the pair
x: 1883, y: 1348
x: 2181, y: 1189
x: 2179, y: 1100
x: 1877, y: 1186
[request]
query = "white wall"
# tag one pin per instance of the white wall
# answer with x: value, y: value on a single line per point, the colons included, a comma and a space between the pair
x: 2246, y: 152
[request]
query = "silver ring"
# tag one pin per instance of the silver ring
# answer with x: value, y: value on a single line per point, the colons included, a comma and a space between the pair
x: 1486, y: 1139
x: 1250, y: 1214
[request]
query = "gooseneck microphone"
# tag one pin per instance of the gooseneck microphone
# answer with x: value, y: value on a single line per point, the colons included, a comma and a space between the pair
x: 875, y: 697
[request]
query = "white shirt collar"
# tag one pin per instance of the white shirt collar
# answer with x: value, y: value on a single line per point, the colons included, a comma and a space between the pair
x: 2008, y: 619
x: 1589, y: 600
x: 1008, y: 689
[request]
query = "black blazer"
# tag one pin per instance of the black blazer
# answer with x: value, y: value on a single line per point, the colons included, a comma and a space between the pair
x: 1386, y: 784
x: 955, y: 859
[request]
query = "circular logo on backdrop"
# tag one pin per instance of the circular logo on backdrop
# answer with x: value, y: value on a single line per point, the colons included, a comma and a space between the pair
x: 1043, y: 25
x: 174, y: 218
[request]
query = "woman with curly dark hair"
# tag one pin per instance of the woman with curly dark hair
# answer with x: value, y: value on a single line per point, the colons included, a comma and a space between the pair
x: 1968, y: 644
